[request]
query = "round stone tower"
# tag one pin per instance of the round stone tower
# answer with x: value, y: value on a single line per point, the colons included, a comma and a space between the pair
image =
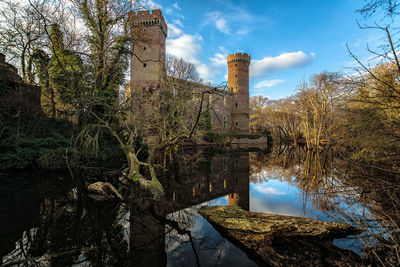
x: 238, y: 84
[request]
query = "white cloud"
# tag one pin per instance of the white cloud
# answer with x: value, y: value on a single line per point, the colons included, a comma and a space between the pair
x: 268, y: 83
x: 242, y: 31
x: 222, y: 26
x: 205, y: 72
x: 219, y: 59
x: 173, y: 31
x: 218, y: 63
x: 153, y: 5
x: 268, y: 190
x: 186, y: 46
x: 281, y: 62
x: 177, y: 6
x: 220, y: 23
x: 168, y: 11
x: 178, y: 22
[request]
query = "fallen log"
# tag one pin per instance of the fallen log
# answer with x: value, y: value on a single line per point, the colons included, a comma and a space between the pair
x: 278, y: 240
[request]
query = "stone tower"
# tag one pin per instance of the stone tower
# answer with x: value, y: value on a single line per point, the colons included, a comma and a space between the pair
x: 239, y: 186
x: 238, y: 84
x: 148, y: 32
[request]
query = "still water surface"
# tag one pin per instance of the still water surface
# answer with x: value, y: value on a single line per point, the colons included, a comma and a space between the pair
x: 52, y: 222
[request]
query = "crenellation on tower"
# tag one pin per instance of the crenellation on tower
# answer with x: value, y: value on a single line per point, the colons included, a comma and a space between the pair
x: 148, y: 18
x: 148, y: 75
x: 238, y: 57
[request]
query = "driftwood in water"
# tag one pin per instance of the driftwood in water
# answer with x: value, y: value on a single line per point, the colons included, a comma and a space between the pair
x: 103, y: 191
x: 277, y: 240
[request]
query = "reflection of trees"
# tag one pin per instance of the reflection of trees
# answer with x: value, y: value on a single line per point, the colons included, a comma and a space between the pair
x: 73, y: 229
x: 283, y: 162
x: 363, y: 195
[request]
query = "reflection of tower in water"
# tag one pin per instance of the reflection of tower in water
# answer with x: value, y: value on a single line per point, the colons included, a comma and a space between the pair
x: 147, y: 237
x: 239, y: 189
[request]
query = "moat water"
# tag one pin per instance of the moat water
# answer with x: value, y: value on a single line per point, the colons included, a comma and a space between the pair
x: 50, y: 221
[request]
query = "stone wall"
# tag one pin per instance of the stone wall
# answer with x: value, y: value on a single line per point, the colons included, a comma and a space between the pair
x: 230, y: 109
x: 15, y: 95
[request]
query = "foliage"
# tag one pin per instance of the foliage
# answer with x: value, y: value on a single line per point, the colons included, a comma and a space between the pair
x: 28, y: 143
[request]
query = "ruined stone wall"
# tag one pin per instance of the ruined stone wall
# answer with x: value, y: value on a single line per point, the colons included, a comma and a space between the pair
x: 15, y: 95
x: 221, y: 113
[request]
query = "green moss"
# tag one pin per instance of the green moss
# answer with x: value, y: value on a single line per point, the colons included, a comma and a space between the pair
x: 156, y: 188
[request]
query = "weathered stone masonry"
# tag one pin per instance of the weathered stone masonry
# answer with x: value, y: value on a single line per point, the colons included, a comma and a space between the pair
x: 148, y: 73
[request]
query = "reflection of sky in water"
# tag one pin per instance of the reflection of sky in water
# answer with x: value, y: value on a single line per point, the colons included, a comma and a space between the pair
x: 274, y: 196
x: 213, y: 249
x: 277, y: 197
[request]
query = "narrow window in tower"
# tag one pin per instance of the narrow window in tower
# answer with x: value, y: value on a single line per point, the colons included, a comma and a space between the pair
x: 236, y: 104
x: 144, y: 65
x: 236, y: 88
x: 225, y: 166
x: 144, y: 48
x: 235, y: 75
x: 236, y: 124
x: 225, y: 121
x: 235, y: 65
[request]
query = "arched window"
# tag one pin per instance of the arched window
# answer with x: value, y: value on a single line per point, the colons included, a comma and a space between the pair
x: 144, y: 65
x: 236, y: 104
x: 144, y: 48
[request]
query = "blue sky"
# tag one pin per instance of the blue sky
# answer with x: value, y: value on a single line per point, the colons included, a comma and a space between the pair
x: 287, y: 40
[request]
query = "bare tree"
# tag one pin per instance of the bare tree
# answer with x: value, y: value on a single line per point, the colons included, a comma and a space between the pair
x: 181, y: 69
x: 21, y: 32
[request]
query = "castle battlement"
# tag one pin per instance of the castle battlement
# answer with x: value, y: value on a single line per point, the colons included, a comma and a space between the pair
x: 238, y: 57
x: 148, y: 18
x: 148, y: 73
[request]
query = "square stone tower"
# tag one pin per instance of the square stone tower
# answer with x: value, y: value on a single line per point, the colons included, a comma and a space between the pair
x: 238, y: 85
x: 148, y: 73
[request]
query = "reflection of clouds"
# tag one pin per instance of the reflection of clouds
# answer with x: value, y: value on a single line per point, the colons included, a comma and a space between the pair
x: 278, y: 197
x: 222, y: 201
x: 260, y: 204
x: 268, y: 190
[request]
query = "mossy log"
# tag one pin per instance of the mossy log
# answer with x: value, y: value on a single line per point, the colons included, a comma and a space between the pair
x: 277, y: 240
